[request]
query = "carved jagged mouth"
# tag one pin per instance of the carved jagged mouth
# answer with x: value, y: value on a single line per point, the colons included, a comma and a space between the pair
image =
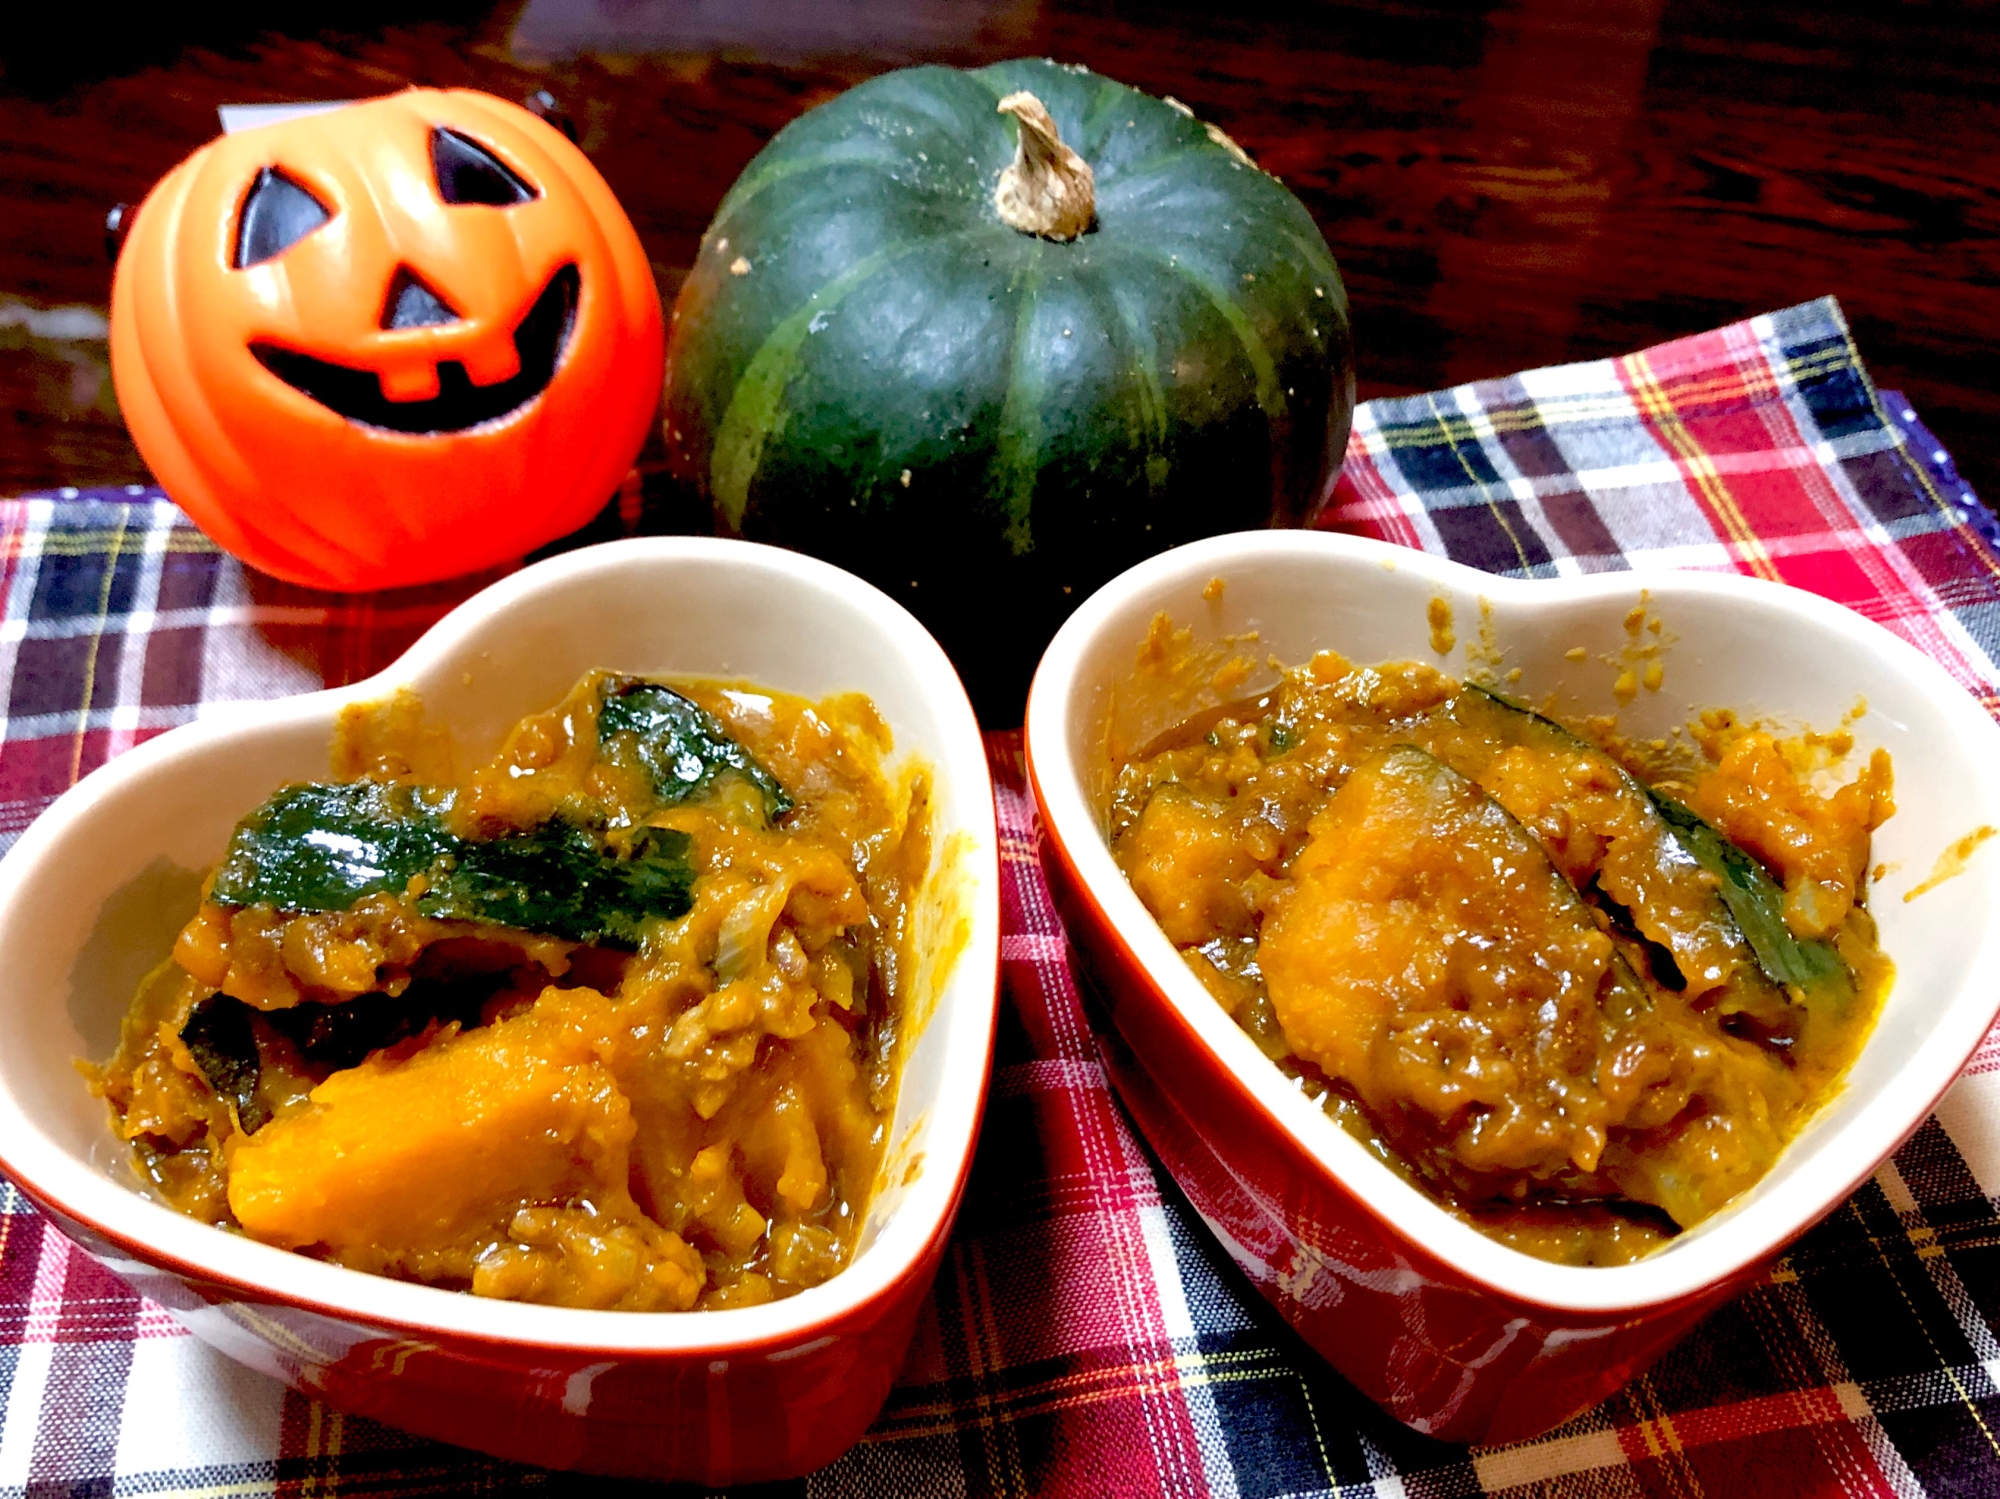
x: 357, y: 394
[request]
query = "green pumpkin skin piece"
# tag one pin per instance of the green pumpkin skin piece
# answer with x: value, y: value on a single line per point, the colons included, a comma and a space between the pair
x: 217, y: 1035
x: 1753, y: 903
x: 320, y: 847
x: 682, y: 747
x: 1555, y: 1041
x: 868, y: 365
x: 313, y: 846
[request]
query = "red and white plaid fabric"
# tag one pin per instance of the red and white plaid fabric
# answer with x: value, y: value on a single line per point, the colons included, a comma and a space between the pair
x: 1086, y: 1335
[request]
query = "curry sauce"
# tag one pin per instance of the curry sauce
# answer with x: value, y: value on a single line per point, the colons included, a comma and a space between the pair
x: 1582, y: 1006
x: 620, y: 1030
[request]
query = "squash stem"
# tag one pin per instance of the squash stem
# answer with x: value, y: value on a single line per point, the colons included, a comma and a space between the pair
x: 1047, y: 190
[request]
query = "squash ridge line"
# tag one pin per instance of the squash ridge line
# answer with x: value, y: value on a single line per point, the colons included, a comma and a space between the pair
x: 1315, y: 249
x: 1269, y: 397
x: 1146, y: 364
x: 1018, y: 442
x: 1107, y: 95
x: 982, y: 76
x: 749, y: 188
x: 1139, y: 170
x: 753, y: 415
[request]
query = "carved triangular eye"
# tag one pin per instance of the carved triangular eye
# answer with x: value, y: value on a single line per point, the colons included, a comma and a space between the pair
x: 468, y: 173
x: 412, y: 304
x: 276, y: 215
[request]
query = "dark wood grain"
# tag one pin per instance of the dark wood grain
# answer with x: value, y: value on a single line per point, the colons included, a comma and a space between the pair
x: 1504, y: 185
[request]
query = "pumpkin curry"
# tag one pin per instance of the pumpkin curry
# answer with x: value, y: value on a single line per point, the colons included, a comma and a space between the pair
x: 612, y: 1022
x: 1582, y: 1002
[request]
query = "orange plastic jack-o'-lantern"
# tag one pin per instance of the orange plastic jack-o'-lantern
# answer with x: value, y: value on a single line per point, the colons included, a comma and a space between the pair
x: 389, y: 343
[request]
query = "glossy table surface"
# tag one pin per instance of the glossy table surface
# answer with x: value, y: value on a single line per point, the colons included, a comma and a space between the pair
x: 1504, y: 185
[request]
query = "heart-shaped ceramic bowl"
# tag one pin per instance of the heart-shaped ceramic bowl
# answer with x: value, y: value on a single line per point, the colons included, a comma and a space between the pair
x: 1446, y: 1329
x: 92, y: 894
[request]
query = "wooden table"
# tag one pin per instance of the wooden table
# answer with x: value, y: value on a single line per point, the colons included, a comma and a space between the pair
x: 1504, y: 185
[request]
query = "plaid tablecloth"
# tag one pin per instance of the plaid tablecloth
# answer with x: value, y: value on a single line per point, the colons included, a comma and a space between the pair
x: 1086, y: 1335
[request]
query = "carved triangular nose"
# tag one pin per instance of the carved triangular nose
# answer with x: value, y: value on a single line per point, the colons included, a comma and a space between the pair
x: 414, y: 305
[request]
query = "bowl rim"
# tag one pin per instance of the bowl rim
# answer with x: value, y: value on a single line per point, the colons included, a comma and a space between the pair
x: 261, y: 1274
x: 1745, y: 1234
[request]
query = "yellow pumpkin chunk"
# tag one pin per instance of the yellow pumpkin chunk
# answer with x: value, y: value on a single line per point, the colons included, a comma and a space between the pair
x: 419, y: 1151
x: 1508, y: 953
x: 1430, y: 958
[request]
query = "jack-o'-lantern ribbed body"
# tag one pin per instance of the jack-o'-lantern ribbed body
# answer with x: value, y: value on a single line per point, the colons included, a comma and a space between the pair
x: 434, y: 345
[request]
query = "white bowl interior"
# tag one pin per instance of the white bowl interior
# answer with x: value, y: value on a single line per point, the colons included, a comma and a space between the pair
x: 1764, y: 650
x: 92, y: 894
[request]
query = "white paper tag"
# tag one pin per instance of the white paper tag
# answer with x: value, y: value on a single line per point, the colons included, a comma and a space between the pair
x: 237, y: 117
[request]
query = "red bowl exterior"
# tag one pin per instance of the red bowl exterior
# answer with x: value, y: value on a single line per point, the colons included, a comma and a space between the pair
x: 715, y: 1417
x: 1440, y: 1351
x: 719, y: 1398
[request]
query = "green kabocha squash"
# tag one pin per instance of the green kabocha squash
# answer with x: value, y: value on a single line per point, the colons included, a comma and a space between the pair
x: 988, y: 338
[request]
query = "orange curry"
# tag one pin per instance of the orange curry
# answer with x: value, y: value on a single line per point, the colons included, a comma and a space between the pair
x: 611, y: 1022
x: 1582, y: 1001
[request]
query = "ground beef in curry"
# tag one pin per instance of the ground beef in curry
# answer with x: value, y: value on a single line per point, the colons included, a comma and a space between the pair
x: 673, y: 1096
x: 1582, y: 1008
